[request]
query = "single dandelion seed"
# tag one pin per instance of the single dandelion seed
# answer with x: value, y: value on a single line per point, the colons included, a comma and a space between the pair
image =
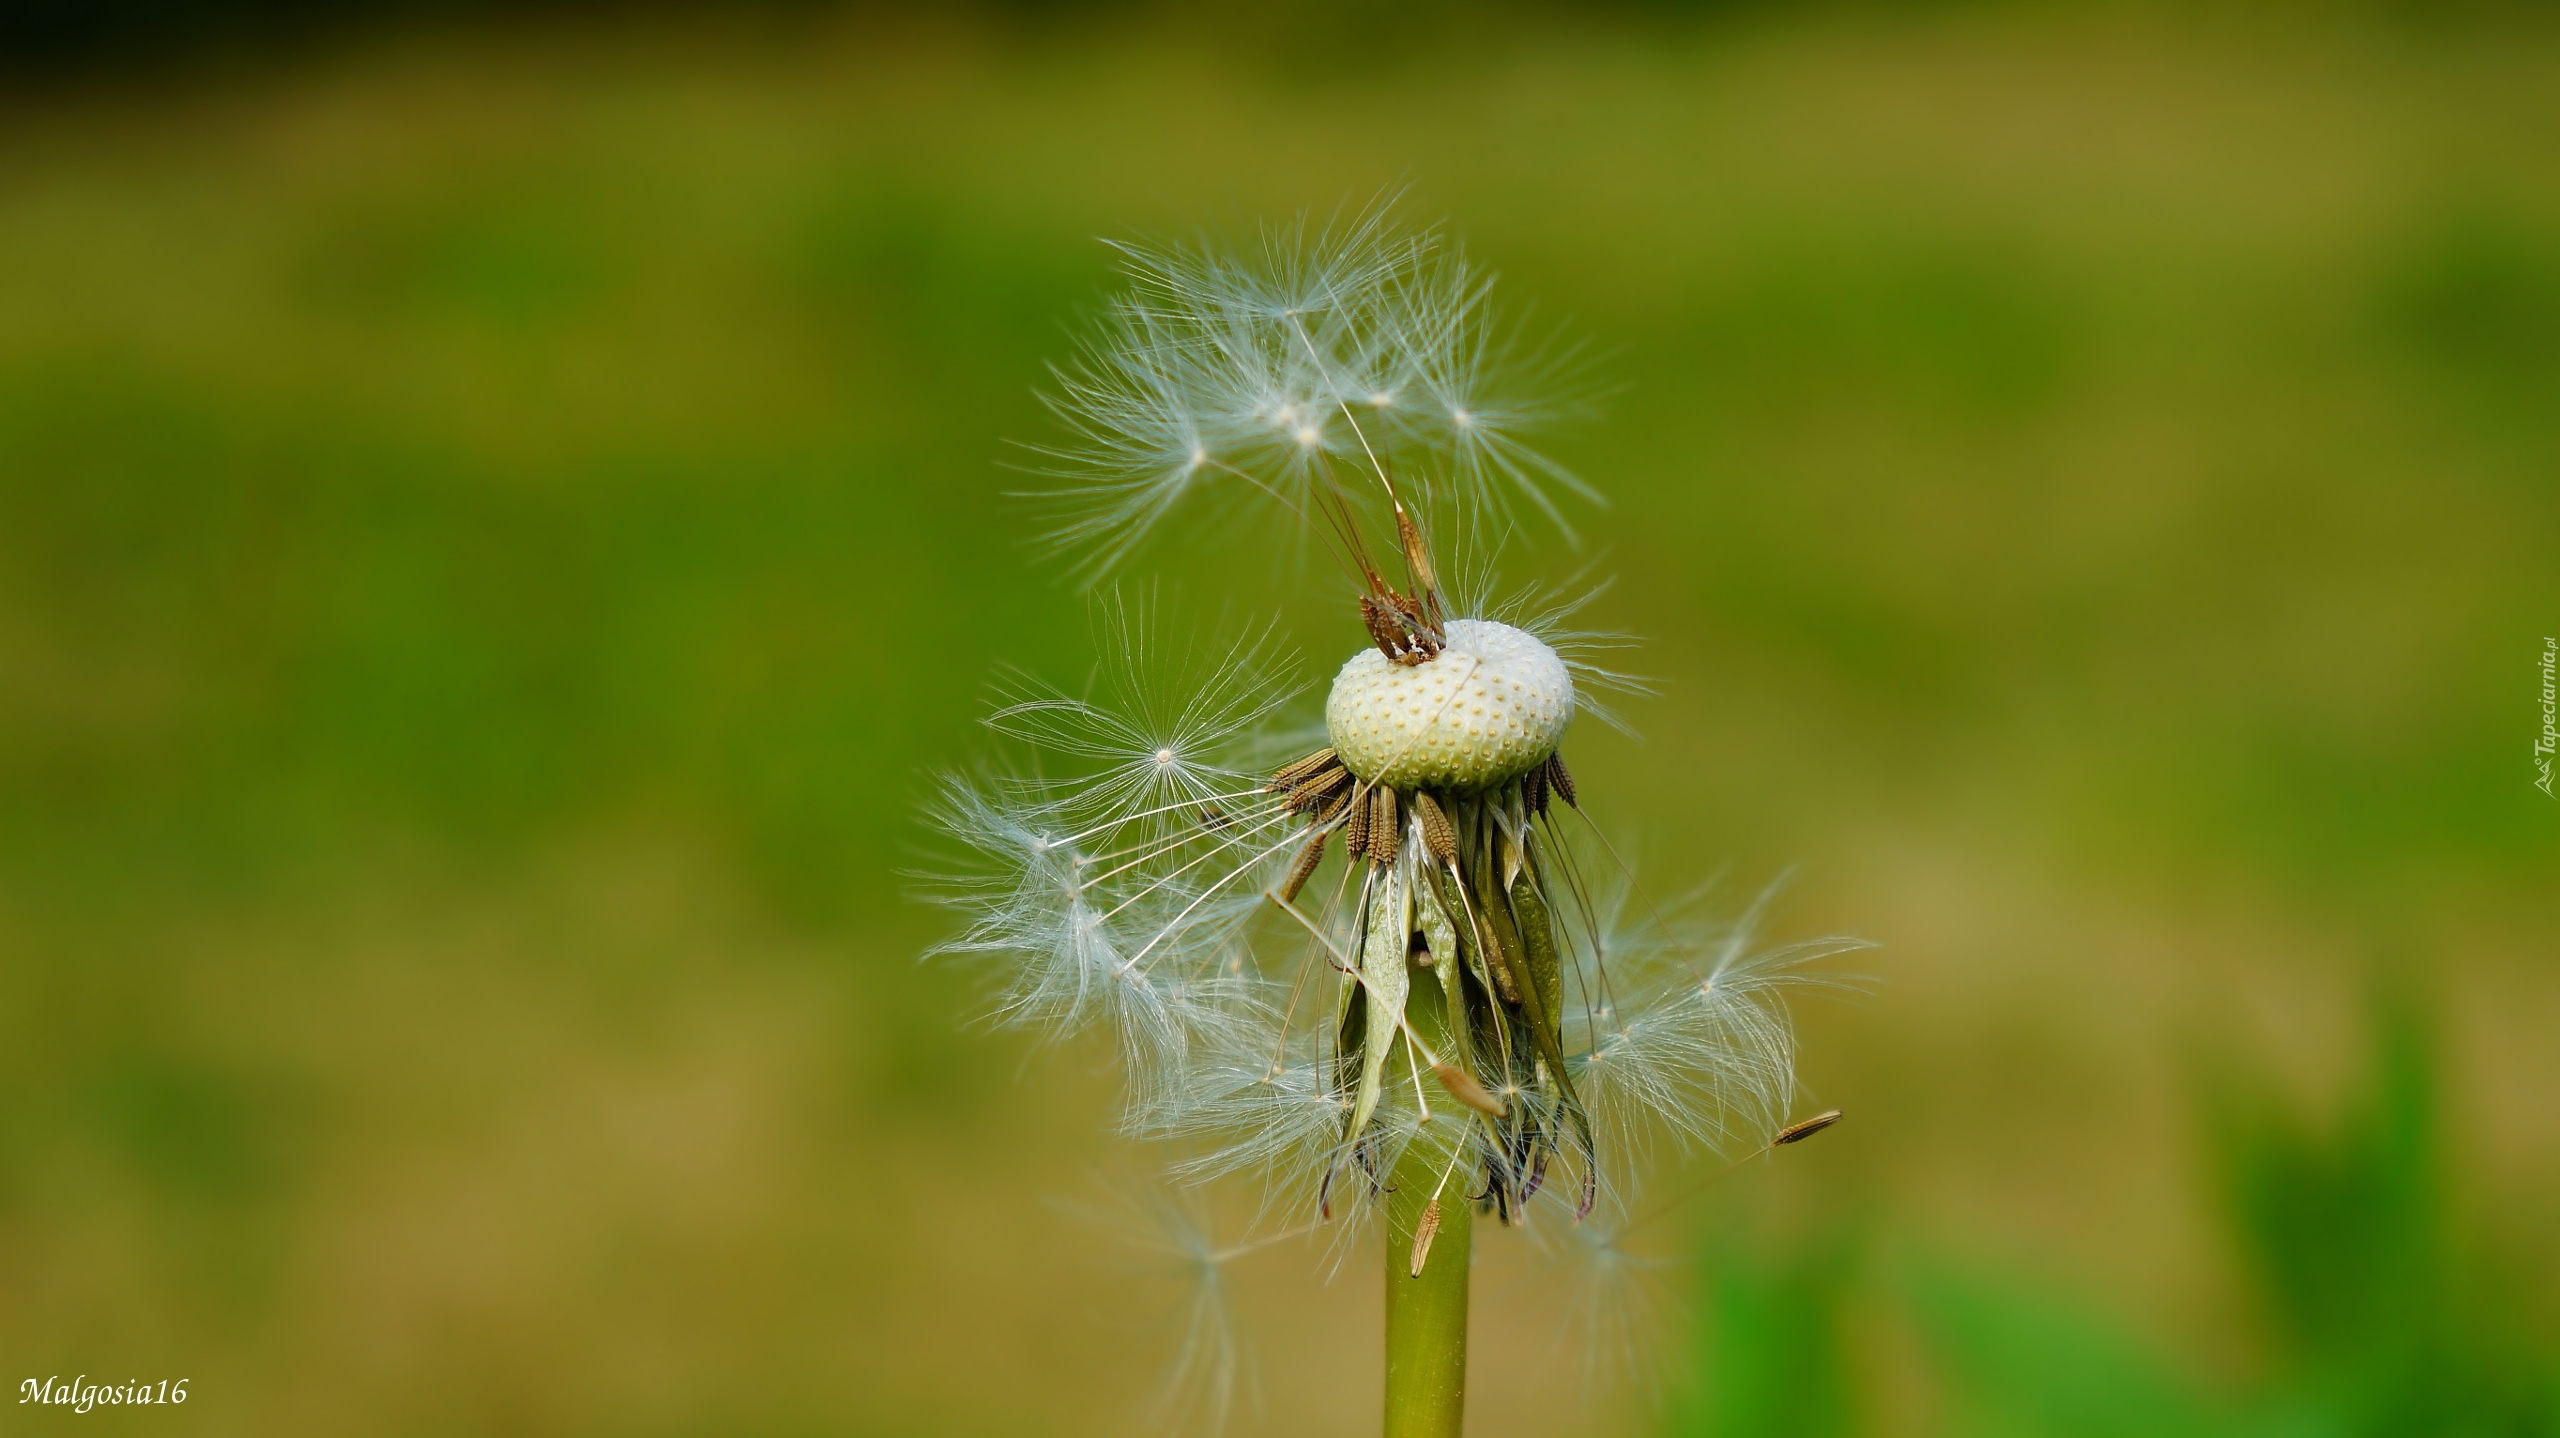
x: 1285, y: 939
x: 1804, y: 1129
x: 1424, y: 1231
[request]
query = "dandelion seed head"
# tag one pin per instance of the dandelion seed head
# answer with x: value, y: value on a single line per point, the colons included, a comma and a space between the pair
x: 1338, y: 972
x: 1489, y: 709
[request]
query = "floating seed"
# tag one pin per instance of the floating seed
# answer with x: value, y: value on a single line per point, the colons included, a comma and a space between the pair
x: 1536, y: 788
x: 1803, y: 1129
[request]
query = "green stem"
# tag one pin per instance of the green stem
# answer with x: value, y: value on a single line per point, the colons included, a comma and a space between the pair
x: 1427, y: 1315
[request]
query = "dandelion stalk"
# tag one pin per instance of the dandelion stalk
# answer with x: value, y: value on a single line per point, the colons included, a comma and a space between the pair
x: 1388, y: 976
x: 1427, y: 1271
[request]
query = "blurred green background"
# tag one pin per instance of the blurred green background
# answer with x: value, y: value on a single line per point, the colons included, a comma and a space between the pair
x: 500, y: 519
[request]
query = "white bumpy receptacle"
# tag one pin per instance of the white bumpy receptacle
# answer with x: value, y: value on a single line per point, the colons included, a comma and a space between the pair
x: 1489, y: 709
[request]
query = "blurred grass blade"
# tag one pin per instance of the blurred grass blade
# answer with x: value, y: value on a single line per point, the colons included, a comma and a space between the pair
x: 2028, y: 1363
